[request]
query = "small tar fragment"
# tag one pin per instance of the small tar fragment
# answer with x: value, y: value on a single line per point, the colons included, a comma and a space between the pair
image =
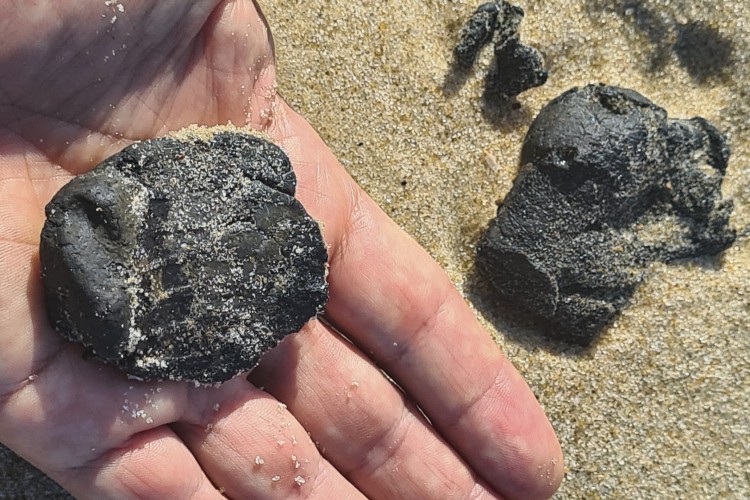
x: 183, y: 258
x: 477, y: 32
x: 608, y: 185
x: 516, y: 67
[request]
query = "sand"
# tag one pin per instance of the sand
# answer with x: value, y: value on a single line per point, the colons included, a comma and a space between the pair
x: 658, y: 408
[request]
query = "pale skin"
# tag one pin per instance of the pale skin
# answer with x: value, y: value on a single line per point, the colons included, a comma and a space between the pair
x: 67, y: 102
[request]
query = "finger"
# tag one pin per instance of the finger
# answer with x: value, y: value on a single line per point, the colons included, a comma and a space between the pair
x: 418, y: 329
x: 152, y: 465
x: 361, y: 421
x: 252, y: 447
x: 400, y: 307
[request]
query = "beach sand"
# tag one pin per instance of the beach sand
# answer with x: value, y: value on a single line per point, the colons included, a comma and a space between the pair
x: 658, y: 408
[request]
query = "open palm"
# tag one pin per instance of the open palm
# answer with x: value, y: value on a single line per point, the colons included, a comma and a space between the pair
x: 82, y: 79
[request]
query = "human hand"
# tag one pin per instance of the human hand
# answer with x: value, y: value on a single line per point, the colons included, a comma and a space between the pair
x: 83, y: 79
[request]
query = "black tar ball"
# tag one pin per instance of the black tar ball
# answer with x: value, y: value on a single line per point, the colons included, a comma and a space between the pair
x: 516, y: 67
x: 183, y: 258
x: 608, y: 184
